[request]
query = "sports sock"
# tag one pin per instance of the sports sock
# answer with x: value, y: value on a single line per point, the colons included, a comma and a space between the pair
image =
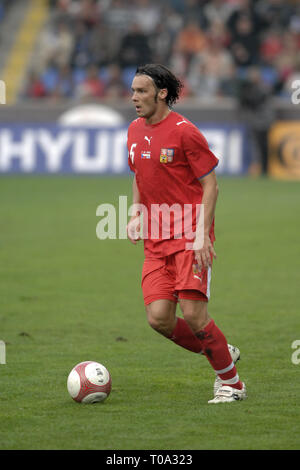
x: 184, y: 336
x: 216, y: 350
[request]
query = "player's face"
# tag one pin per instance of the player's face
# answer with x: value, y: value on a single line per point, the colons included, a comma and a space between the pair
x: 146, y: 98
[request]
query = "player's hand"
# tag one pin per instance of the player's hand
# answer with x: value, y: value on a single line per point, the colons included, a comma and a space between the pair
x: 133, y: 229
x: 205, y: 254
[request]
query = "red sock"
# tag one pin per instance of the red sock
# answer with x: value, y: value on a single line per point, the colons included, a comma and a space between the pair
x: 216, y: 350
x: 185, y: 337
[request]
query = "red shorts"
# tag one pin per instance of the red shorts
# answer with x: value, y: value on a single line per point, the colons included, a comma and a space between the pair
x: 175, y: 277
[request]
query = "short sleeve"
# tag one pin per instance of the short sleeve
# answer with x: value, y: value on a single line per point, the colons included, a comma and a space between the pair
x: 197, y: 152
x: 130, y: 163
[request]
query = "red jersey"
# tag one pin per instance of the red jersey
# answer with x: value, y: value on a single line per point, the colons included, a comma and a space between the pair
x: 167, y: 159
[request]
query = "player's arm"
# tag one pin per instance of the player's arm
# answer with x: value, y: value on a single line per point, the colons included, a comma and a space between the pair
x: 136, y: 199
x: 133, y: 227
x: 203, y: 246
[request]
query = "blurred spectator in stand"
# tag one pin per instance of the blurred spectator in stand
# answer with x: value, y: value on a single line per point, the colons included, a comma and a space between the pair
x: 81, y: 55
x: 172, y: 21
x: 161, y: 44
x: 177, y: 64
x: 177, y: 5
x: 134, y: 48
x: 219, y: 32
x: 147, y: 15
x: 193, y: 12
x: 174, y: 24
x: 209, y: 67
x: 115, y: 88
x: 91, y: 86
x: 103, y: 44
x: 64, y: 87
x: 217, y: 11
x: 289, y: 58
x: 245, y: 42
x: 294, y: 25
x: 293, y: 82
x: 279, y: 54
x: 2, y: 10
x: 244, y: 8
x: 35, y: 88
x: 271, y: 46
x: 119, y: 15
x: 55, y: 47
x: 275, y: 13
x: 88, y: 13
x: 190, y: 41
x: 64, y: 10
x: 257, y: 114
x: 64, y: 46
x: 229, y: 84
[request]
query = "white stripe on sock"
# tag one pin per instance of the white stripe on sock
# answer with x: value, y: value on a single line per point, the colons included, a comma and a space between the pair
x: 227, y: 369
x: 232, y: 381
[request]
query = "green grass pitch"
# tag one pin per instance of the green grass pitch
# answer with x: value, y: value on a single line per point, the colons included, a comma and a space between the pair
x: 66, y: 297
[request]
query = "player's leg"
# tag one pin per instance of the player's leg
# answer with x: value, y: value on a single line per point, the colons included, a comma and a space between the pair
x: 160, y: 301
x: 193, y: 288
x: 235, y: 356
x: 161, y: 315
x: 195, y: 311
x: 215, y: 347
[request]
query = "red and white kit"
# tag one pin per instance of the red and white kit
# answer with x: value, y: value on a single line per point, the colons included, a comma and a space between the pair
x: 168, y: 159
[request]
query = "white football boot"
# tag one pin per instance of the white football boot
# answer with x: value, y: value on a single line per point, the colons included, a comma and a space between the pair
x: 227, y: 394
x: 235, y: 355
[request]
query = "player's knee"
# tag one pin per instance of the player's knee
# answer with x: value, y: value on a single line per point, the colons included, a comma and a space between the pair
x: 195, y: 314
x: 160, y: 322
x: 155, y: 323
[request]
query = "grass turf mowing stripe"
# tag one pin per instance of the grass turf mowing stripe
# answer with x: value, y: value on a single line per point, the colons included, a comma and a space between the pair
x: 66, y: 296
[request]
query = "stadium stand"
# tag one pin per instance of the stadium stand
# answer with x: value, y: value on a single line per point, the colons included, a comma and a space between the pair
x: 239, y: 59
x: 27, y: 20
x: 75, y: 49
x: 9, y: 22
x: 92, y: 47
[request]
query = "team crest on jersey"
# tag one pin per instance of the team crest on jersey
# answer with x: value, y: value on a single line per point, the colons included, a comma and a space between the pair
x: 166, y: 155
x: 146, y: 155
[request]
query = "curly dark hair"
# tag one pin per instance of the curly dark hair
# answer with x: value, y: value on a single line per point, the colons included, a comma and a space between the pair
x: 163, y: 78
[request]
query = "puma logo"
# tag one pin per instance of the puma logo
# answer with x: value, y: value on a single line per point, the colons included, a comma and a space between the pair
x: 148, y: 139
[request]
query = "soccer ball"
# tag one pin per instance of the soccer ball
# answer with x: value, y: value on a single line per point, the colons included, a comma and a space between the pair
x: 89, y: 382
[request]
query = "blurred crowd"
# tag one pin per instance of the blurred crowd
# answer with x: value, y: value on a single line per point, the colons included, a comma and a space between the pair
x: 4, y: 5
x: 91, y: 48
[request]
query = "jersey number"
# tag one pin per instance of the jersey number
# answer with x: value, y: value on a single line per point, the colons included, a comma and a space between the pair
x: 131, y: 153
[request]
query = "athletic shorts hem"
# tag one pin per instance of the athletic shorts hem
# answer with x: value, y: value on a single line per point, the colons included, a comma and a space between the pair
x: 192, y: 294
x: 186, y: 294
x: 152, y: 298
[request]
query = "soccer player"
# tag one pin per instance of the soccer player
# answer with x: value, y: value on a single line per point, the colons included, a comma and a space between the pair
x: 174, y: 170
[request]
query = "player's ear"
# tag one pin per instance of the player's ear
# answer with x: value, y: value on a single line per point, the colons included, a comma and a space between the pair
x: 163, y: 93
